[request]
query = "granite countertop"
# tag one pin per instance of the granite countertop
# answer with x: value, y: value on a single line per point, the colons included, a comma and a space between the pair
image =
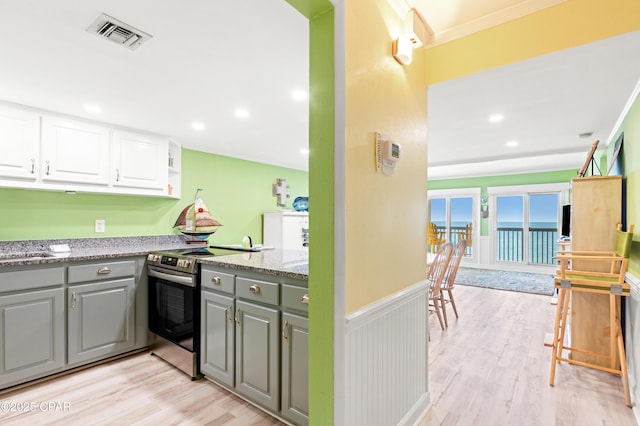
x: 278, y: 262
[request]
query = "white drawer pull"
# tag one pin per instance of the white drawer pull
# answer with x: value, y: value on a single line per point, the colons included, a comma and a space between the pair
x: 254, y: 289
x: 216, y: 280
x: 305, y: 299
x: 104, y: 270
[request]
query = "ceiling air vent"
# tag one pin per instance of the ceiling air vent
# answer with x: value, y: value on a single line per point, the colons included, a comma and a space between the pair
x: 118, y: 32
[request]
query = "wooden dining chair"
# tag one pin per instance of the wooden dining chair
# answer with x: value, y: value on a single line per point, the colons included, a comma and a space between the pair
x: 435, y: 276
x: 448, y: 283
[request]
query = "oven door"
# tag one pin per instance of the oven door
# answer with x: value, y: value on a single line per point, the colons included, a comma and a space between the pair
x: 173, y: 307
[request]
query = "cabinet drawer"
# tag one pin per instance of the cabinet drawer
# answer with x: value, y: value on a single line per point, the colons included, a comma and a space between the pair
x: 101, y: 271
x: 31, y: 278
x: 260, y: 291
x: 293, y: 296
x: 215, y: 280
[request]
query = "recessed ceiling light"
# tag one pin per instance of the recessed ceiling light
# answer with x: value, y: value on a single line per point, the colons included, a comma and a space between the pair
x: 304, y: 151
x: 242, y: 113
x: 198, y: 125
x: 299, y: 95
x: 92, y: 108
x: 496, y: 118
x: 511, y: 144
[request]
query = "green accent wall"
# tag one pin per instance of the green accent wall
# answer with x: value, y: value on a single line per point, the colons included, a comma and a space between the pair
x: 631, y: 154
x: 484, y: 182
x: 321, y: 215
x: 235, y: 191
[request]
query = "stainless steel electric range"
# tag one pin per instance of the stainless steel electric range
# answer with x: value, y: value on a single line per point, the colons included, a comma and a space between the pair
x: 174, y: 305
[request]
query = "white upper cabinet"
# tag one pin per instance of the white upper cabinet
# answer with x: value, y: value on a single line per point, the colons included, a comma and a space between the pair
x: 19, y: 140
x: 50, y: 151
x: 139, y: 161
x: 74, y: 151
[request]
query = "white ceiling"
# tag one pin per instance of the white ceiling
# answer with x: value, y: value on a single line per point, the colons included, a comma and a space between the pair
x: 207, y: 58
x: 204, y: 61
x: 546, y: 102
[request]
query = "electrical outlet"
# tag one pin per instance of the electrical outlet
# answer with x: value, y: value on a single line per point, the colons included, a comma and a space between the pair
x: 100, y: 225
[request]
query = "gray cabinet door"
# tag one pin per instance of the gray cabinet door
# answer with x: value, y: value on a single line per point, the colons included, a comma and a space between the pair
x: 100, y: 319
x: 257, y: 354
x: 295, y: 368
x: 217, y: 337
x: 32, y: 339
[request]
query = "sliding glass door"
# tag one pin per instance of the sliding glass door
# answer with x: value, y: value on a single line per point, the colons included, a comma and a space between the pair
x: 452, y: 213
x: 526, y: 227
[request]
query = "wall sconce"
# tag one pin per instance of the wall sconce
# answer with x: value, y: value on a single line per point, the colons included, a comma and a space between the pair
x: 484, y: 211
x: 402, y: 50
x: 417, y: 33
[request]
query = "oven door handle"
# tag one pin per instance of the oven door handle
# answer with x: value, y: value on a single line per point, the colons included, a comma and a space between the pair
x: 172, y: 278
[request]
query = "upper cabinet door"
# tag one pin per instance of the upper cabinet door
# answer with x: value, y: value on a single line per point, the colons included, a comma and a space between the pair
x: 139, y: 161
x: 19, y: 140
x: 74, y: 151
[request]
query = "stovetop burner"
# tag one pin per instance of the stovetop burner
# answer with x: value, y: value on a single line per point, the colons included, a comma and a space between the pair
x: 184, y: 260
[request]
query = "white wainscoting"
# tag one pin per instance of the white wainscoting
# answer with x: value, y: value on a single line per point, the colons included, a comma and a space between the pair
x: 632, y: 342
x: 386, y: 360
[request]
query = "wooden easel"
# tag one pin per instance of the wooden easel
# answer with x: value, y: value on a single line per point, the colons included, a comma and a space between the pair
x: 608, y: 283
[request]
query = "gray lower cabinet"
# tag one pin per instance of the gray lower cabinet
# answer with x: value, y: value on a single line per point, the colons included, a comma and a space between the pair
x: 55, y: 318
x: 217, y: 337
x: 254, y: 339
x: 100, y: 319
x: 32, y: 340
x: 295, y: 368
x: 257, y: 353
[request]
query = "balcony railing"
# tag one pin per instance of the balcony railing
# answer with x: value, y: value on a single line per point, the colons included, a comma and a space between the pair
x: 457, y: 233
x: 542, y: 243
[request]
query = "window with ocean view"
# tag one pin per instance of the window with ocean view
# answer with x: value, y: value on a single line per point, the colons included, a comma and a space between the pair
x: 453, y: 214
x: 527, y: 227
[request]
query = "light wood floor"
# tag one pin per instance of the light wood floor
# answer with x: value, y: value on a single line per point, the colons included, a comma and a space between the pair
x: 137, y: 390
x: 490, y: 367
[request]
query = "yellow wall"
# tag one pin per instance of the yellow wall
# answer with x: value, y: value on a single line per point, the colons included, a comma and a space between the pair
x: 385, y: 215
x: 566, y: 25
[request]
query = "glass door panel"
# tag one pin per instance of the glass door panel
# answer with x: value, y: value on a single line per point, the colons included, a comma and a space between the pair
x: 438, y: 216
x: 509, y: 230
x: 461, y: 223
x: 543, y: 227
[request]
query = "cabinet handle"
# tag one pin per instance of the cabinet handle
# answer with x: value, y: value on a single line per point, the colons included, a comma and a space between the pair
x: 238, y: 316
x: 305, y: 299
x: 33, y: 166
x: 285, y: 332
x: 104, y: 270
x: 73, y: 300
x: 117, y: 175
x: 254, y: 289
x: 47, y: 170
x: 216, y: 280
x: 230, y: 313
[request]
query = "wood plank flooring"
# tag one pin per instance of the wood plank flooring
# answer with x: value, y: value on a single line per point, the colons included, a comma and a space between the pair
x: 490, y: 367
x: 137, y: 390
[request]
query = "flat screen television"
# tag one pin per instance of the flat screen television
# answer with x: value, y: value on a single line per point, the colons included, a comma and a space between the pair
x: 566, y: 220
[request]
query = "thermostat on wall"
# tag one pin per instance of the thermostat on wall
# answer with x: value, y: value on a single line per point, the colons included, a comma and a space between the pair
x: 387, y: 154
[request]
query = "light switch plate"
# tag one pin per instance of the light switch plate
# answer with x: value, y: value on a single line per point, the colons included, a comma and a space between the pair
x: 100, y: 225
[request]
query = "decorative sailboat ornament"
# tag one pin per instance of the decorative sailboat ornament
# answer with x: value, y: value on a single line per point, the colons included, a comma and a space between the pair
x: 195, y: 220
